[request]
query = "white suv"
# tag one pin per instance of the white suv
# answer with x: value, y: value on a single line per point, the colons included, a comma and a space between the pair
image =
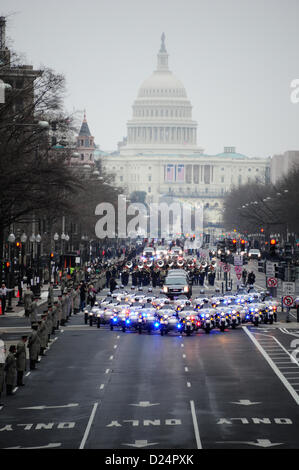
x: 254, y: 253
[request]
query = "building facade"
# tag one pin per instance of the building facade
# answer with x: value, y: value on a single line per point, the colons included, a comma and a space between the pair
x: 160, y: 155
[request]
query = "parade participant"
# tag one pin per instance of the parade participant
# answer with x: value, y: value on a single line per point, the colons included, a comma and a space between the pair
x: 10, y: 370
x: 59, y: 311
x: 64, y: 305
x: 21, y: 360
x: 43, y: 334
x: 2, y: 365
x: 28, y: 296
x: 33, y: 346
x: 51, y: 294
x: 112, y: 284
x: 33, y: 315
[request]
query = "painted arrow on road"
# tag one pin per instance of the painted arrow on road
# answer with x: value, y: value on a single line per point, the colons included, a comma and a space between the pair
x: 144, y: 404
x: 141, y: 444
x: 48, y: 446
x: 260, y: 443
x: 246, y: 402
x: 70, y: 405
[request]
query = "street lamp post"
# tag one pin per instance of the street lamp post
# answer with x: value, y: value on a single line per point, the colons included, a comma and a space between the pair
x: 11, y: 240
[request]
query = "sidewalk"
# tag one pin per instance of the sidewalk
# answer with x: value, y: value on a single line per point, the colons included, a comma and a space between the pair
x: 18, y: 310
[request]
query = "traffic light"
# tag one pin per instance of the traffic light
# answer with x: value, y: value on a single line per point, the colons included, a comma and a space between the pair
x: 51, y: 255
x: 273, y: 247
x: 242, y: 244
x: 234, y: 245
x: 223, y: 257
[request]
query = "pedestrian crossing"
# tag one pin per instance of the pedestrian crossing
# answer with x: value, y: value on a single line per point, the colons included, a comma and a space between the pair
x: 282, y: 360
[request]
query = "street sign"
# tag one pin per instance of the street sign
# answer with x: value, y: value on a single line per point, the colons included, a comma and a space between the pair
x: 288, y: 288
x: 288, y: 300
x: 270, y: 269
x: 226, y: 268
x: 238, y: 269
x: 238, y: 260
x: 272, y: 282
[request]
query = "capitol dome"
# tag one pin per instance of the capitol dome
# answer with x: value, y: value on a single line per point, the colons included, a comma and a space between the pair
x: 162, y: 114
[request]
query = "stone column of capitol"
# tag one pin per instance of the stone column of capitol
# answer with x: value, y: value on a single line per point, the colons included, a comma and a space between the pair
x: 160, y: 154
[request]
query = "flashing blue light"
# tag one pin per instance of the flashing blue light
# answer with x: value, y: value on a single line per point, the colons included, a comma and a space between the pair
x: 247, y: 316
x: 179, y: 325
x: 157, y: 325
x: 114, y: 319
x: 128, y: 321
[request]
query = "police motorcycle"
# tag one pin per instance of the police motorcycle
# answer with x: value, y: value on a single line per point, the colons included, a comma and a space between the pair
x: 190, y: 321
x: 271, y: 311
x: 207, y: 319
x: 169, y: 321
x: 150, y: 320
x: 222, y: 318
x: 201, y: 302
x: 256, y: 314
x: 234, y: 316
x: 92, y: 314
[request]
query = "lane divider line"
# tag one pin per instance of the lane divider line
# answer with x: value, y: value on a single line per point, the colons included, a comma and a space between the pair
x: 195, y: 425
x: 87, y: 430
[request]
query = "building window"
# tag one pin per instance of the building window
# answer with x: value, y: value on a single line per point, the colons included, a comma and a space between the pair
x: 121, y: 178
x: 222, y: 179
x: 82, y: 156
x: 149, y: 189
x: 150, y: 177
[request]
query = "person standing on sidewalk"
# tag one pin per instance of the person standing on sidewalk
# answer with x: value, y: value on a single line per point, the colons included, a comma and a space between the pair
x: 3, y: 294
x: 21, y: 360
x: 2, y: 364
x: 10, y: 370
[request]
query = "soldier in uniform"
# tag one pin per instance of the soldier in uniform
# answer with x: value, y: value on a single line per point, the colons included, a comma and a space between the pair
x: 51, y: 294
x: 21, y: 360
x: 43, y: 334
x: 28, y: 296
x: 2, y: 364
x: 54, y: 318
x: 34, y: 346
x: 59, y: 311
x: 10, y: 370
x: 33, y: 316
x: 64, y: 309
x: 49, y: 323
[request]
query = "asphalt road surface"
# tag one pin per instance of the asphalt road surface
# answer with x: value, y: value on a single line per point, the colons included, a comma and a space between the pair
x: 102, y: 389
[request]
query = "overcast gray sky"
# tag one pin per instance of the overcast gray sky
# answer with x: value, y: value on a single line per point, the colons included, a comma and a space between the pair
x: 236, y: 59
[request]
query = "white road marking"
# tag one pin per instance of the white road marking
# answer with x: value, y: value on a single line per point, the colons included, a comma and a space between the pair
x: 283, y: 379
x: 91, y: 418
x: 28, y: 373
x: 188, y: 384
x: 115, y: 346
x: 15, y: 389
x: 195, y: 425
x: 107, y: 371
x: 186, y: 369
x: 184, y: 356
x: 102, y: 386
x: 111, y: 357
x: 182, y: 345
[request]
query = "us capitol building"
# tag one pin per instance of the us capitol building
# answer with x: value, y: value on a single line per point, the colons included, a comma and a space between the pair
x: 160, y: 155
